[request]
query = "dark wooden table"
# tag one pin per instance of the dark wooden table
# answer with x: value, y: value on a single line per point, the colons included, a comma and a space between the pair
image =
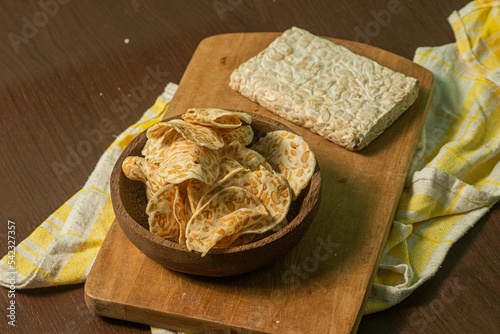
x: 64, y: 71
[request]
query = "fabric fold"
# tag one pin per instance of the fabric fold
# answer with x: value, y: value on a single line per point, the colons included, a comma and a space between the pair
x: 455, y: 176
x: 63, y: 248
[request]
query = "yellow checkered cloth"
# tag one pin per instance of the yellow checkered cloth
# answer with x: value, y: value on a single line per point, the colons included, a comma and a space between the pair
x: 62, y: 249
x: 454, y: 180
x: 455, y: 176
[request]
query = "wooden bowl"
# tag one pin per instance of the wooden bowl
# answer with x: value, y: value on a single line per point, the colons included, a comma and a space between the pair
x: 129, y: 203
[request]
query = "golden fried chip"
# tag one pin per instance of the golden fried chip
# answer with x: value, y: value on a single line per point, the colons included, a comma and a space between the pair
x: 232, y: 178
x: 195, y: 191
x: 276, y: 196
x: 227, y: 165
x: 243, y: 134
x: 248, y: 158
x: 133, y: 169
x: 137, y: 168
x: 187, y: 208
x: 162, y: 132
x: 227, y: 212
x: 271, y: 188
x: 182, y: 213
x: 215, y: 117
x: 160, y: 210
x: 194, y: 133
x: 154, y: 149
x: 208, y: 189
x: 290, y: 155
x: 243, y: 238
x: 185, y: 160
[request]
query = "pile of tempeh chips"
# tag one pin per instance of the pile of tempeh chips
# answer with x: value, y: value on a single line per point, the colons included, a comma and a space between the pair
x: 207, y: 189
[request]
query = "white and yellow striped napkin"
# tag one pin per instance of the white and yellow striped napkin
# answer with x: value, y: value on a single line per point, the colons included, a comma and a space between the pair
x: 454, y: 180
x: 455, y: 176
x: 63, y: 248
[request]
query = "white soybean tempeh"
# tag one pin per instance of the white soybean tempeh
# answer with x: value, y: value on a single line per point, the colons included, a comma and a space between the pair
x: 313, y: 82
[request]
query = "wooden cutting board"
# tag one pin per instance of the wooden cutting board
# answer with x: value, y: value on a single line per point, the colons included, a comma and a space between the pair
x: 321, y: 286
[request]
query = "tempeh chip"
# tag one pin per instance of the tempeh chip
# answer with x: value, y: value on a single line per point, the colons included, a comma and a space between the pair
x: 194, y: 133
x: 290, y: 155
x: 233, y: 178
x: 160, y: 210
x: 154, y: 149
x: 271, y: 188
x: 248, y: 158
x: 226, y: 213
x: 215, y: 117
x: 243, y: 238
x: 243, y: 134
x: 139, y: 169
x: 274, y: 193
x: 132, y: 169
x: 185, y: 160
x: 197, y: 189
x: 182, y: 213
x: 206, y: 188
x: 195, y: 192
x: 227, y: 165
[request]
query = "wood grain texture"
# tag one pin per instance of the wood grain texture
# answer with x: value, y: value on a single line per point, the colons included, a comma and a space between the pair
x: 50, y: 92
x: 322, y: 283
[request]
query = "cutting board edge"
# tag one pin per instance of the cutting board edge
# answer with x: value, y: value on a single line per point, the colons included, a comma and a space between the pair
x: 340, y: 41
x: 105, y: 307
x: 428, y: 91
